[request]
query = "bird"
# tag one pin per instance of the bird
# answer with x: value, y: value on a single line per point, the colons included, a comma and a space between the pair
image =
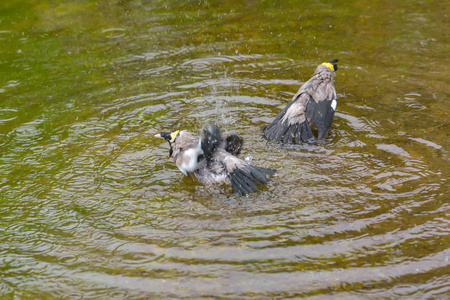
x: 313, y: 105
x: 212, y: 159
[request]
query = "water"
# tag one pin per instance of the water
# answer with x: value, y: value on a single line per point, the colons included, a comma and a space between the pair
x: 93, y: 208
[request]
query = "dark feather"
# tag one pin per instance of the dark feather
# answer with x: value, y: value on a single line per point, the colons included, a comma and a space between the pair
x: 246, y: 179
x: 241, y: 183
x: 312, y: 107
x: 210, y: 141
x: 233, y: 144
x: 320, y: 114
x: 307, y: 134
x: 297, y: 131
x: 236, y: 187
x: 275, y: 130
x: 259, y: 174
x: 243, y: 180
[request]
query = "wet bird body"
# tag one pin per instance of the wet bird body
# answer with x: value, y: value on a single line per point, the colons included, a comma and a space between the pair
x: 212, y: 159
x: 313, y: 105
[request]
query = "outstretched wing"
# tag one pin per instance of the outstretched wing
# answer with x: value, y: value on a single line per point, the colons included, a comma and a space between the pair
x: 291, y: 123
x: 243, y: 177
x: 321, y: 114
x: 233, y: 144
x: 321, y: 107
x: 212, y: 139
x: 314, y: 103
x: 210, y: 142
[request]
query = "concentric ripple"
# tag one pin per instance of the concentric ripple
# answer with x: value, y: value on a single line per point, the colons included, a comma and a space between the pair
x: 93, y: 208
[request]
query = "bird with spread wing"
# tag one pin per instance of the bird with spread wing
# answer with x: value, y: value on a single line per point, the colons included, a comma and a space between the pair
x: 212, y: 159
x: 313, y: 105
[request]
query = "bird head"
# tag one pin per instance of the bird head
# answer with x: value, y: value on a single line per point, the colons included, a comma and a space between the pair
x: 332, y: 64
x: 169, y: 137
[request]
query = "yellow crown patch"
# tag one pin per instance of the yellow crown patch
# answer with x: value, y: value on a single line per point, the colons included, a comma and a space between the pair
x: 329, y: 65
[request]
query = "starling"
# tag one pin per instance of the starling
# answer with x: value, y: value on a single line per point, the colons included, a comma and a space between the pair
x: 212, y: 159
x: 313, y: 105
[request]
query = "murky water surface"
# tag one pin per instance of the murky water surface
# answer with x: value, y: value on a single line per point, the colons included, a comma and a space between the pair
x: 92, y: 208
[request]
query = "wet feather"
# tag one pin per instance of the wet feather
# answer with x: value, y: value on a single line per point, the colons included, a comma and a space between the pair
x: 212, y: 160
x: 313, y: 105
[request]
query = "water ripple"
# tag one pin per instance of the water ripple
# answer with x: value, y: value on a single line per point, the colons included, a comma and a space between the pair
x: 92, y: 207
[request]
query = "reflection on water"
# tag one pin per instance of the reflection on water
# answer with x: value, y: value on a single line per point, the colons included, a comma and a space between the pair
x: 93, y: 208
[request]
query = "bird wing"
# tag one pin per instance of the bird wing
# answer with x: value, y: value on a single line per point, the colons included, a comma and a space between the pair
x: 314, y: 103
x: 243, y: 177
x: 321, y: 107
x: 212, y: 139
x: 233, y: 144
x: 291, y: 122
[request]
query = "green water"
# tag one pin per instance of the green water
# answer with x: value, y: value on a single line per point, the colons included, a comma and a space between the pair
x: 92, y: 208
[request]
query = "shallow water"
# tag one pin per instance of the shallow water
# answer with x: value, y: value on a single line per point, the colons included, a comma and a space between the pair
x: 93, y: 208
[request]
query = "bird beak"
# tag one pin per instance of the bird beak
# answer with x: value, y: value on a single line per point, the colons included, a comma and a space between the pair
x: 159, y: 136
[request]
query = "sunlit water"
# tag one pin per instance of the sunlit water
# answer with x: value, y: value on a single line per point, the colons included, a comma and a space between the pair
x: 93, y: 208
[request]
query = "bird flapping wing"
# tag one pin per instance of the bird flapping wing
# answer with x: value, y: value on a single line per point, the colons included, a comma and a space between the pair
x: 314, y: 103
x: 243, y: 177
x: 291, y: 123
